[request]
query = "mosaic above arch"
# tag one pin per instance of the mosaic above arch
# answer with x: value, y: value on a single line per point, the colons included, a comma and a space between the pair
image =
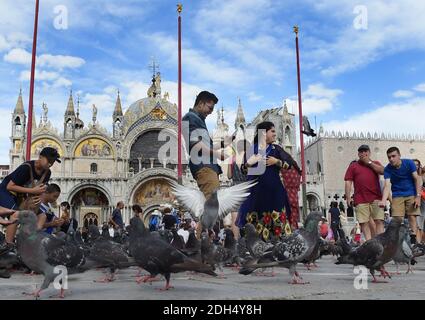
x: 39, y: 144
x: 94, y: 147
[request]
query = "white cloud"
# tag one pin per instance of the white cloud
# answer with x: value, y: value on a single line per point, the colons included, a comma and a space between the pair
x: 18, y: 56
x: 252, y: 96
x: 420, y: 87
x: 403, y: 94
x: 40, y: 75
x: 317, y: 99
x: 59, y: 61
x: 385, y: 119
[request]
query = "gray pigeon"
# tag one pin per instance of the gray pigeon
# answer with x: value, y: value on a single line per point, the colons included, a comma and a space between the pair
x: 404, y: 254
x: 221, y: 202
x: 159, y: 257
x: 213, y: 254
x: 291, y: 250
x: 106, y: 253
x: 42, y: 252
x: 375, y: 252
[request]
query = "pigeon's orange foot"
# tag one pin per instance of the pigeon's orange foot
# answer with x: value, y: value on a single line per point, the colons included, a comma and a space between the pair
x: 384, y: 273
x: 145, y: 279
x: 298, y: 280
x: 60, y: 296
x: 167, y: 287
x: 35, y: 294
x: 107, y: 279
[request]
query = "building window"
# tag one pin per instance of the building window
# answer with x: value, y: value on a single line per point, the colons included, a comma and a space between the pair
x: 93, y: 168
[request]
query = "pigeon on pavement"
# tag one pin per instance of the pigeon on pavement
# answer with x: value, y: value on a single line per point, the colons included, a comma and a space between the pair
x: 159, y: 257
x: 42, y: 252
x: 375, y: 252
x: 291, y: 250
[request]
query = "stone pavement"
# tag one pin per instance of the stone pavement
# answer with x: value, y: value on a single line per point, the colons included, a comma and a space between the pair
x: 329, y: 281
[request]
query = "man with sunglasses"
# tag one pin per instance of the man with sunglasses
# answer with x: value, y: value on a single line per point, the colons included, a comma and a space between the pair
x: 401, y: 177
x: 364, y: 174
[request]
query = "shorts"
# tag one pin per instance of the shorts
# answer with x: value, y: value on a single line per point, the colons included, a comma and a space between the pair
x: 364, y: 211
x: 8, y: 200
x: 401, y: 206
x: 207, y: 180
x: 420, y: 220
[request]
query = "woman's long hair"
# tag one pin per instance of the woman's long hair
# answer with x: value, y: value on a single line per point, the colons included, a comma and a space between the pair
x: 420, y: 170
x: 265, y: 125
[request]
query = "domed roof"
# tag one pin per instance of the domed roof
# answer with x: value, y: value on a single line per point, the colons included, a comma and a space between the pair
x: 144, y: 106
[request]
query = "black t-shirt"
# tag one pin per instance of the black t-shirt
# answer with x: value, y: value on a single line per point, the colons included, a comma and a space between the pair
x: 65, y: 226
x: 169, y: 221
x: 334, y: 215
x: 22, y: 177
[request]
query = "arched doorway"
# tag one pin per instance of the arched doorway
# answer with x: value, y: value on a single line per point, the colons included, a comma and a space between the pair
x: 313, y: 202
x: 90, y: 205
x: 90, y: 218
x: 153, y: 193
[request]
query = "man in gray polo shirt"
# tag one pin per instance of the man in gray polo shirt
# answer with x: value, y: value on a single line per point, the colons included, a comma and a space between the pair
x: 203, y: 154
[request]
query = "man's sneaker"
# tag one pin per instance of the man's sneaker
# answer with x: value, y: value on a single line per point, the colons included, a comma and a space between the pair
x: 6, y: 247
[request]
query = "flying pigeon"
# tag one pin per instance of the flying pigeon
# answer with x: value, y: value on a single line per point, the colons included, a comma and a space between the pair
x: 291, y: 250
x: 307, y: 130
x: 159, y: 257
x: 221, y: 202
x: 375, y: 252
x: 42, y: 252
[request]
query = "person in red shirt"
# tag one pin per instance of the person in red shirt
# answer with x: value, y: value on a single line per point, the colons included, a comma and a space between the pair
x: 364, y: 174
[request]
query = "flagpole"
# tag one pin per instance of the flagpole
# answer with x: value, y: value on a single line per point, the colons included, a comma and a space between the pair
x: 179, y: 101
x: 300, y: 111
x: 31, y: 96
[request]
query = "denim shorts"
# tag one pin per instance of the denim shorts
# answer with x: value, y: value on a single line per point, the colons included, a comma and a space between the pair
x: 8, y: 200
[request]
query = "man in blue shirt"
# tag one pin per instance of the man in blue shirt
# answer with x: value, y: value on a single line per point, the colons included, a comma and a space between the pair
x: 402, y: 179
x: 203, y: 154
x: 116, y: 217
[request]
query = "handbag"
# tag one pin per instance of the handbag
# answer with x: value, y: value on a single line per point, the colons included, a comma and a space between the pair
x: 27, y: 201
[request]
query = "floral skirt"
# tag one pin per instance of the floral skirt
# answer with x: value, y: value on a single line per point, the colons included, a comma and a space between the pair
x: 270, y: 225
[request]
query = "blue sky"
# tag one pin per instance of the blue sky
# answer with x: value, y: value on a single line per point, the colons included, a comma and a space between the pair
x: 353, y: 79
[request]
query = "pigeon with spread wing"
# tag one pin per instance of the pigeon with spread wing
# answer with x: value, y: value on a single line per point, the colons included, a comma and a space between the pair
x: 221, y: 202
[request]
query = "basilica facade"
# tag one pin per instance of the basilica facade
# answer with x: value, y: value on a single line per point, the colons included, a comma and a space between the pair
x: 99, y: 168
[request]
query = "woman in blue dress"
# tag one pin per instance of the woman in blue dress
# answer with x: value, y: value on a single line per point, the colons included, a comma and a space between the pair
x: 267, y: 207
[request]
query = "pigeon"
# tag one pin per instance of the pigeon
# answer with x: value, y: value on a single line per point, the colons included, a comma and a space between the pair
x: 105, y: 232
x: 291, y: 250
x: 243, y: 254
x: 106, y: 253
x: 213, y: 254
x: 307, y: 130
x: 7, y: 261
x: 230, y: 244
x: 256, y: 246
x: 375, y: 252
x: 159, y: 257
x: 42, y: 252
x: 221, y: 202
x: 178, y: 241
x: 404, y: 253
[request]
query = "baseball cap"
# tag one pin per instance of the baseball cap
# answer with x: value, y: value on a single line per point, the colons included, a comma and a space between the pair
x: 51, y: 154
x: 363, y: 147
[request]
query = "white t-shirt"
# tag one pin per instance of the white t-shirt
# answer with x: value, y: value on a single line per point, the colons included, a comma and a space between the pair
x: 184, y: 234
